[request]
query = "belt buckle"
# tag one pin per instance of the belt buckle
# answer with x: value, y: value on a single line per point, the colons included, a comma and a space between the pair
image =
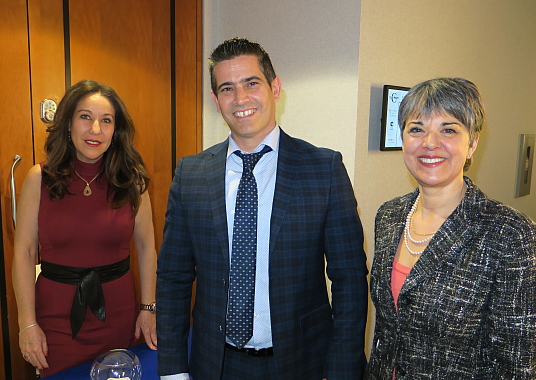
x: 262, y: 352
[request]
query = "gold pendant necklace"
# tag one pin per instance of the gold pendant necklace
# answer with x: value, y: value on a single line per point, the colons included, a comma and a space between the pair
x: 87, y: 190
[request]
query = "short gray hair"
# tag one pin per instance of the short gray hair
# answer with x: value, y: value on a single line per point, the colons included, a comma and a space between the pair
x: 456, y: 97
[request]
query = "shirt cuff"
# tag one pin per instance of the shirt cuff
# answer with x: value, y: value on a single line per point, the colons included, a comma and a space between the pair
x: 180, y: 376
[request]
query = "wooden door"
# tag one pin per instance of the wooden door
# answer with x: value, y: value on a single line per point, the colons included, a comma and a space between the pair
x: 16, y: 139
x: 149, y: 52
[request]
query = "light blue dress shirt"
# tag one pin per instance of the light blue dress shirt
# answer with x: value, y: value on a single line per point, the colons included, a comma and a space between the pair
x: 265, y: 173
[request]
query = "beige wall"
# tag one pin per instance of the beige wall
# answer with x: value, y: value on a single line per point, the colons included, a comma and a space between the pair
x: 334, y: 59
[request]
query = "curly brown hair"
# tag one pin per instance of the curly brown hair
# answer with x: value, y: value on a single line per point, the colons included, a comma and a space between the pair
x: 123, y: 165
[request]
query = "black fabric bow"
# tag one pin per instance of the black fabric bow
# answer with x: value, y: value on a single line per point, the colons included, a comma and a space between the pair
x: 88, y: 293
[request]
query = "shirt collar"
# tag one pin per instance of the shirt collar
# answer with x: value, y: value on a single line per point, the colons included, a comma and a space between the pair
x: 272, y: 140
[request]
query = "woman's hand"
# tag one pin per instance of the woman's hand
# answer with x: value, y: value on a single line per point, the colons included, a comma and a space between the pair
x: 33, y: 345
x: 32, y: 340
x: 146, y: 323
x: 144, y: 241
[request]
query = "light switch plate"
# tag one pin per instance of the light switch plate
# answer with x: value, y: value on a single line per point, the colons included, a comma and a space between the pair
x: 524, y: 164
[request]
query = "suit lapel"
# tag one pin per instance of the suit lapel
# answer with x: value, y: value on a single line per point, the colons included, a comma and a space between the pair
x: 387, y: 238
x: 215, y: 171
x: 287, y: 168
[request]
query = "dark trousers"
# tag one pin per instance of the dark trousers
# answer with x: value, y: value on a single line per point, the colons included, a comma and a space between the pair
x: 239, y: 366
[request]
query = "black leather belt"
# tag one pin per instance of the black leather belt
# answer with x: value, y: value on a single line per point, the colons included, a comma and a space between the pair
x: 89, y: 291
x: 263, y: 352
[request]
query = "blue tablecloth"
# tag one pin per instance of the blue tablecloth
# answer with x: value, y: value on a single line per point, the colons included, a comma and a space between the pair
x: 148, y: 359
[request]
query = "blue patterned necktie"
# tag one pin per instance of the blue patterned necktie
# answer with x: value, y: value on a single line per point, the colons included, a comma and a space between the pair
x: 244, y: 253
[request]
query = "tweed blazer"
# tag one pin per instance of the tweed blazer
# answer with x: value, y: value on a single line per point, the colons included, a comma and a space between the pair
x: 467, y: 309
x: 314, y: 217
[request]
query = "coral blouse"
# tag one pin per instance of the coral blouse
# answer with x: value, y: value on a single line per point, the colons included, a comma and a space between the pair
x: 398, y: 276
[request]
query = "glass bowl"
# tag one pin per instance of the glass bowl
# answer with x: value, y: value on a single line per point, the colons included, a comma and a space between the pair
x: 116, y: 364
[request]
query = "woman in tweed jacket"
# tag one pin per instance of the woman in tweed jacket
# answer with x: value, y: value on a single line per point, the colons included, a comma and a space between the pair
x: 454, y: 272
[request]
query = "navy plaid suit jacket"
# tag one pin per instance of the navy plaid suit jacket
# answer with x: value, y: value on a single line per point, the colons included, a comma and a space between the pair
x: 314, y: 216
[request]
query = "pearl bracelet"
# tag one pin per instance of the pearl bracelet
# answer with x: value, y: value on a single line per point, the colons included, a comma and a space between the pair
x: 27, y: 327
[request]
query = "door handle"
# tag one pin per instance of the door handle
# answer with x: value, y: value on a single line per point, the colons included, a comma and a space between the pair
x: 16, y: 159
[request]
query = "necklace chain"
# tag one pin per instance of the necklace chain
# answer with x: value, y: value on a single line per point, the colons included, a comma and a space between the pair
x: 87, y: 190
x: 416, y: 233
x: 408, y: 227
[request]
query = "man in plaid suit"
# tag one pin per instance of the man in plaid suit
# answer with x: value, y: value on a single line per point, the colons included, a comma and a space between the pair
x: 307, y: 216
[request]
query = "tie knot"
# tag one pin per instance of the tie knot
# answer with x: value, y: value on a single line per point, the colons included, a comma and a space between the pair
x: 251, y: 159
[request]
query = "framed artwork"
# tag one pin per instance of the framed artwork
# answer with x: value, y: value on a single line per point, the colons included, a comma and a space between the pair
x: 390, y: 130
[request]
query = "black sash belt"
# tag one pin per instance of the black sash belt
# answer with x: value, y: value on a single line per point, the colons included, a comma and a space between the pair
x: 89, y: 292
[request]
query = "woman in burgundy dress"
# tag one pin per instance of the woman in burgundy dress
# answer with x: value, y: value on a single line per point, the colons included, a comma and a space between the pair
x: 82, y: 207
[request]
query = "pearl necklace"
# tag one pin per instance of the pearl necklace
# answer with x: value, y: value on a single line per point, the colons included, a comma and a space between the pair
x: 87, y: 191
x: 407, y: 229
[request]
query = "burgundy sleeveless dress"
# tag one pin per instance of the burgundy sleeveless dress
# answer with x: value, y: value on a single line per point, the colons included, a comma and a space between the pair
x: 84, y: 231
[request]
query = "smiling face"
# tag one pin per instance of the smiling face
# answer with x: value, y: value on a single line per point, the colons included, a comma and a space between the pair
x: 92, y: 127
x: 435, y: 149
x: 246, y: 100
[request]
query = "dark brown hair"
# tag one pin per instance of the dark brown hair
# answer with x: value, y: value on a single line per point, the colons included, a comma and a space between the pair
x: 237, y: 47
x: 123, y: 165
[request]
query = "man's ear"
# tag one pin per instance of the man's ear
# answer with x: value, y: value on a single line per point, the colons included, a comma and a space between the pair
x: 276, y: 88
x: 215, y: 98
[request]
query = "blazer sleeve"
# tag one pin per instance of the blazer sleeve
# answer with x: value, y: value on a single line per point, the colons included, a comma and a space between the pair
x: 176, y: 273
x: 347, y: 269
x: 513, y: 303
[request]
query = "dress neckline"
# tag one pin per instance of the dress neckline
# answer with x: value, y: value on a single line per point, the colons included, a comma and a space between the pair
x: 86, y: 169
